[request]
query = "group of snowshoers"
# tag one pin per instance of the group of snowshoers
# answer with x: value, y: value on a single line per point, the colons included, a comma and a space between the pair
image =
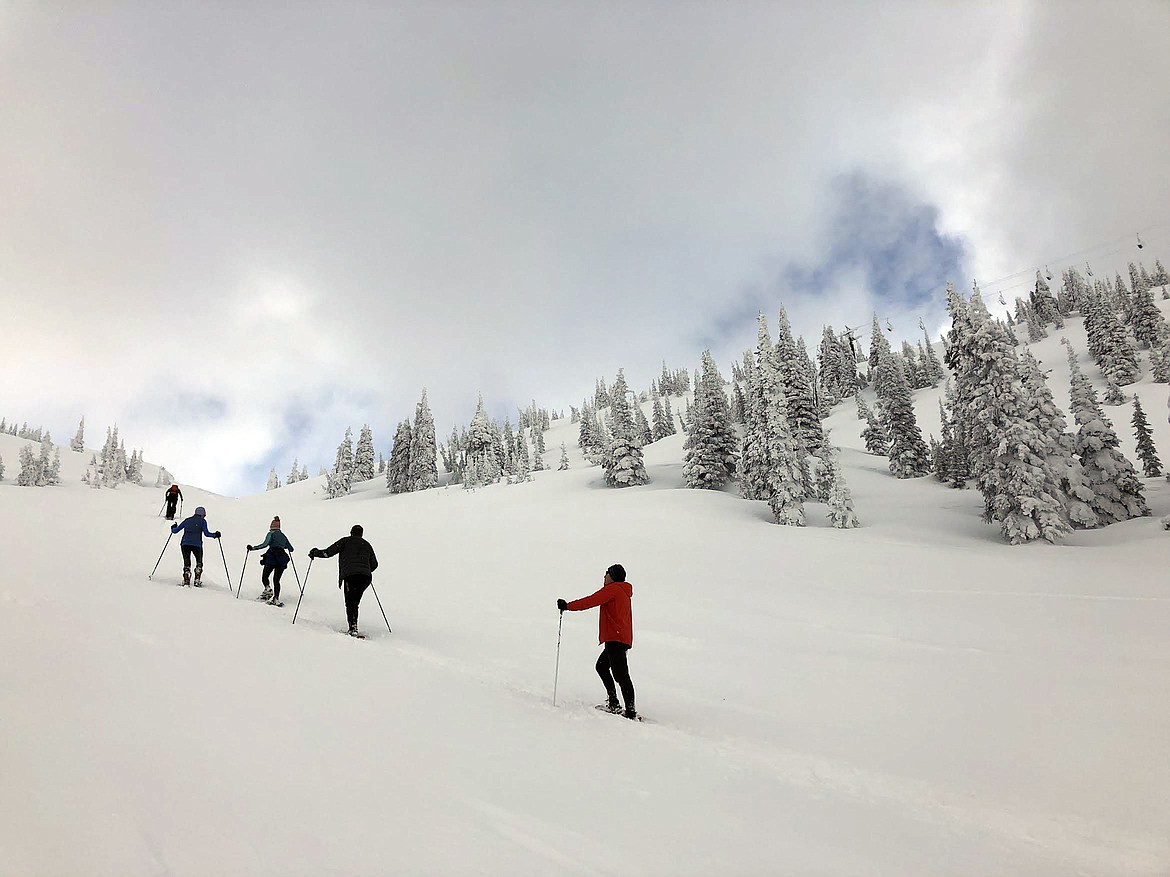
x: 356, y: 563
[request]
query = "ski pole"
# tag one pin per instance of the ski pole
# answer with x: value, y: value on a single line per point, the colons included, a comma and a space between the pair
x: 161, y: 507
x: 384, y: 618
x: 295, y: 576
x: 303, y: 587
x: 225, y: 569
x: 557, y: 674
x: 160, y: 557
x: 244, y: 567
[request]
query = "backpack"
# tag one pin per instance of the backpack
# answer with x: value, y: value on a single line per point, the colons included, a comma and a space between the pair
x: 173, y: 491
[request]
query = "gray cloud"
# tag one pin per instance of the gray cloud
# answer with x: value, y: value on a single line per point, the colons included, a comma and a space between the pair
x: 299, y: 209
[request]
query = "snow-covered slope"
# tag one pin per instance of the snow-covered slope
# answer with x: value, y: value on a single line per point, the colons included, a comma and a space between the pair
x: 913, y: 697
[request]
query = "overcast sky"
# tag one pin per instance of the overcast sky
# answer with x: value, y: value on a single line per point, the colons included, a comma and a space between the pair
x: 237, y: 228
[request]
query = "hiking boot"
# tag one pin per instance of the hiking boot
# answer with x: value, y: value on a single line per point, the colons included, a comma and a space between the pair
x: 272, y: 601
x: 611, y: 706
x: 187, y: 577
x: 266, y: 596
x: 630, y: 712
x: 199, y: 577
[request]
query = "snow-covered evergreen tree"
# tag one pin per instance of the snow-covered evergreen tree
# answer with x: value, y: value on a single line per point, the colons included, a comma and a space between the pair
x: 398, y: 467
x: 658, y: 428
x: 294, y: 474
x: 909, y: 455
x: 340, y: 479
x: 564, y: 464
x: 133, y: 471
x: 1149, y: 326
x: 792, y: 367
x: 1021, y: 492
x: 1, y: 468
x: 30, y: 471
x: 1146, y: 451
x: 623, y: 463
x: 363, y: 455
x: 709, y: 458
x: 668, y: 427
x: 273, y: 479
x: 484, y: 445
x: 1060, y: 454
x: 523, y: 466
x: 641, y: 427
x: 754, y: 463
x: 875, y: 435
x: 840, y: 500
x: 423, y: 473
x: 877, y: 344
x: 1117, y: 491
x: 78, y: 441
x: 785, y: 489
x: 1044, y: 304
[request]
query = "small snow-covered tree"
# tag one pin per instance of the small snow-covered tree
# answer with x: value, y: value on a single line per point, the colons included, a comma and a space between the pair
x: 424, y: 467
x: 754, y: 462
x: 523, y: 467
x: 273, y: 479
x: 840, y: 499
x: 134, y: 469
x: 1146, y: 451
x: 909, y: 455
x: 709, y: 458
x: 77, y: 443
x: 623, y: 463
x: 398, y: 467
x: 564, y: 464
x: 1117, y: 492
x: 294, y: 474
x: 30, y: 471
x: 363, y: 455
x: 1, y: 468
x: 340, y: 479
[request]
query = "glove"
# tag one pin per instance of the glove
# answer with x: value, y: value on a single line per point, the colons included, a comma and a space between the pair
x: 316, y: 552
x: 216, y: 534
x: 249, y: 547
x: 562, y: 605
x: 290, y: 549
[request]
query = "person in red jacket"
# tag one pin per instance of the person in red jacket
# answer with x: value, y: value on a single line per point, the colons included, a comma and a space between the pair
x: 615, y: 633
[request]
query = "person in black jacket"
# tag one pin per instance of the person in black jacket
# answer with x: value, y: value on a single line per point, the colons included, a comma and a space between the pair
x: 356, y: 563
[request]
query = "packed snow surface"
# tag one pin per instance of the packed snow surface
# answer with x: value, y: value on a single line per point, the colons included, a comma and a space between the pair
x: 909, y: 698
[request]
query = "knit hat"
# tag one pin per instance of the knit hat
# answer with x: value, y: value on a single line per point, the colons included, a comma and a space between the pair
x: 201, y: 511
x: 275, y: 525
x: 617, y: 572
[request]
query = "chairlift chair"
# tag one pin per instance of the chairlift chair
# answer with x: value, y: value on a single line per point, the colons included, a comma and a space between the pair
x: 1139, y: 242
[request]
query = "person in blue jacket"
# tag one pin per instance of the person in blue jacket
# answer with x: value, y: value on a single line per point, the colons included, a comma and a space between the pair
x: 273, y: 561
x: 194, y: 529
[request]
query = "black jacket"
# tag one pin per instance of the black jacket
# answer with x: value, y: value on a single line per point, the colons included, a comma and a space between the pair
x: 356, y: 556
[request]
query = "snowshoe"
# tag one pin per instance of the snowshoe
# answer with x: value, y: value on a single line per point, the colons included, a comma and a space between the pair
x: 266, y: 596
x: 187, y: 578
x: 611, y: 707
x: 272, y: 601
x: 354, y: 632
x: 198, y: 577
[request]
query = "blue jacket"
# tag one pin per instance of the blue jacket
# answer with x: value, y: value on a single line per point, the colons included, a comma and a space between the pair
x: 194, y: 529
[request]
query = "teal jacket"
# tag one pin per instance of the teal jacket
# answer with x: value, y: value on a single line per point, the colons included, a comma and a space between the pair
x: 276, y: 543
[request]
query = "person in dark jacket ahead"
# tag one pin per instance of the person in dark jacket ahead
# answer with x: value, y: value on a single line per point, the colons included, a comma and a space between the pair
x: 615, y: 633
x: 356, y: 563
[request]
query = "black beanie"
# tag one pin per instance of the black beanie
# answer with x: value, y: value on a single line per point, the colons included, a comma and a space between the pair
x: 356, y: 530
x: 617, y: 572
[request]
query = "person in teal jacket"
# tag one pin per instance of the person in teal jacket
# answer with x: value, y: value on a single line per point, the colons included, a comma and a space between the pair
x: 273, y: 561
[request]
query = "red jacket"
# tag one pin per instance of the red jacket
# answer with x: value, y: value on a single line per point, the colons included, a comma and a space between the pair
x: 617, y: 615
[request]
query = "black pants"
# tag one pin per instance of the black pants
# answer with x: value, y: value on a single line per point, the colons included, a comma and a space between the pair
x: 276, y: 572
x: 354, y: 586
x: 612, y: 665
x: 188, y: 550
x: 171, y: 509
